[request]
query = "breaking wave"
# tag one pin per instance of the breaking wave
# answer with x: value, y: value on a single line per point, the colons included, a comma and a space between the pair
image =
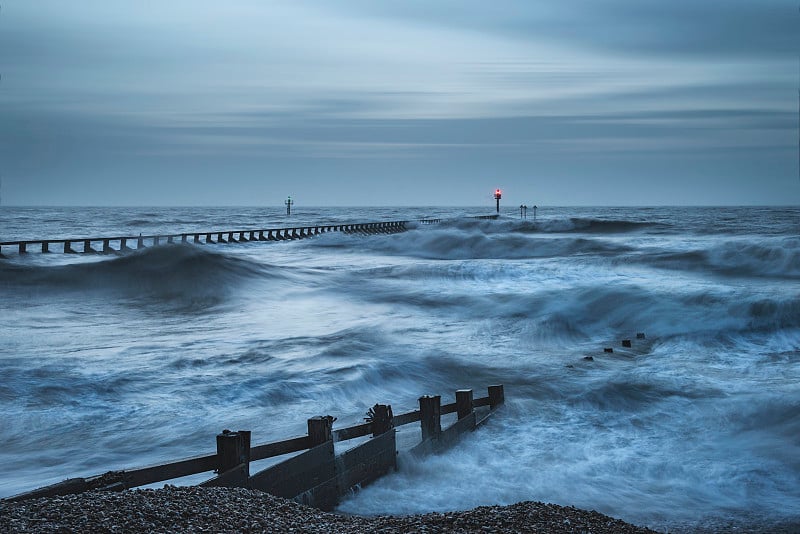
x: 171, y: 271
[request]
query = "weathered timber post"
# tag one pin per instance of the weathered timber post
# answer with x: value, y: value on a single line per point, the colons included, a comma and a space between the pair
x: 381, y: 419
x: 184, y: 238
x: 23, y: 248
x: 87, y: 247
x: 68, y: 248
x: 209, y: 240
x: 430, y: 410
x: 156, y: 240
x: 220, y: 239
x: 464, y: 402
x: 233, y: 449
x: 196, y: 239
x: 169, y: 240
x: 261, y: 235
x: 496, y: 396
x: 123, y: 244
x: 45, y: 247
x: 107, y: 246
x: 140, y: 242
x: 320, y: 430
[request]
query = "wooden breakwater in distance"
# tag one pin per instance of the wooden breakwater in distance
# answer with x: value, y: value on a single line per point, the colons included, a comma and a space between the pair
x: 317, y: 476
x: 121, y: 244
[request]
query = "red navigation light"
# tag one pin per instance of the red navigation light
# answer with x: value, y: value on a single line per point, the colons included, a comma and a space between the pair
x: 497, y: 193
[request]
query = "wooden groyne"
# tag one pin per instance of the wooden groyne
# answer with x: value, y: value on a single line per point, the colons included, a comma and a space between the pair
x: 120, y: 244
x: 317, y: 476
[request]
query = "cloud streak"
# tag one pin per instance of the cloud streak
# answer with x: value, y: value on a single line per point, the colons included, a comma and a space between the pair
x: 461, y: 92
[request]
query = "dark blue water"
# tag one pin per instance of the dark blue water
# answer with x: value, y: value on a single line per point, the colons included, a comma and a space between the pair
x: 113, y: 362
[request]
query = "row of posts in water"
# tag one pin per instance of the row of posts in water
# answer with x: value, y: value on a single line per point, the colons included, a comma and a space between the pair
x: 85, y: 245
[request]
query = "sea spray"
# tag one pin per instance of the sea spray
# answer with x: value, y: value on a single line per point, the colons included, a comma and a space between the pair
x: 151, y: 354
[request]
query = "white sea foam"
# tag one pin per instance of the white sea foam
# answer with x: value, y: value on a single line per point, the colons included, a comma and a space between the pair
x: 154, y: 353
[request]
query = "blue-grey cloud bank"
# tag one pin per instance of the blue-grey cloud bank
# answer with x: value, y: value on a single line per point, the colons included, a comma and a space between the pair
x: 622, y: 102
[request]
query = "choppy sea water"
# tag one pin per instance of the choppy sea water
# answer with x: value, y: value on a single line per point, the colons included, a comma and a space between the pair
x: 109, y: 362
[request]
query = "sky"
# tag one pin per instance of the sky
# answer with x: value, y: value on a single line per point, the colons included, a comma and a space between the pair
x: 406, y: 103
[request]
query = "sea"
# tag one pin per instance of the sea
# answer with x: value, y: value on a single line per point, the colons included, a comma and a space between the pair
x: 126, y: 360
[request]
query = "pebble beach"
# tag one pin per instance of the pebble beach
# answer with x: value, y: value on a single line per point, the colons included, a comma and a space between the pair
x: 196, y: 509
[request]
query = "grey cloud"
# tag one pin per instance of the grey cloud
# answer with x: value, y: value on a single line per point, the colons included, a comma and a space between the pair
x: 743, y: 28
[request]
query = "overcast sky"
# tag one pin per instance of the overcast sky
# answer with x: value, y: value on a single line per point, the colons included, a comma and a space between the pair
x: 420, y: 102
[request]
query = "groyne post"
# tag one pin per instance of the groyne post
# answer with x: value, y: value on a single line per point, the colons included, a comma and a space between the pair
x: 496, y: 396
x: 233, y: 449
x: 464, y: 405
x: 430, y: 410
x: 320, y: 430
x: 45, y: 247
x: 381, y: 419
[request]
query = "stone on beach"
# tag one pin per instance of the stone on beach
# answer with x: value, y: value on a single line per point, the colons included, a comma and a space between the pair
x: 196, y: 509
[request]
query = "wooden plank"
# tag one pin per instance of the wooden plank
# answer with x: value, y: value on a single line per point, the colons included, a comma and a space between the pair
x: 449, y: 408
x: 423, y: 448
x: 484, y: 419
x: 324, y: 496
x: 368, y: 461
x: 232, y: 478
x: 405, y: 418
x: 298, y: 474
x: 483, y: 401
x: 65, y: 487
x: 360, y: 465
x: 447, y: 438
x: 350, y: 432
x: 278, y: 448
x: 161, y: 472
x: 453, y: 433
